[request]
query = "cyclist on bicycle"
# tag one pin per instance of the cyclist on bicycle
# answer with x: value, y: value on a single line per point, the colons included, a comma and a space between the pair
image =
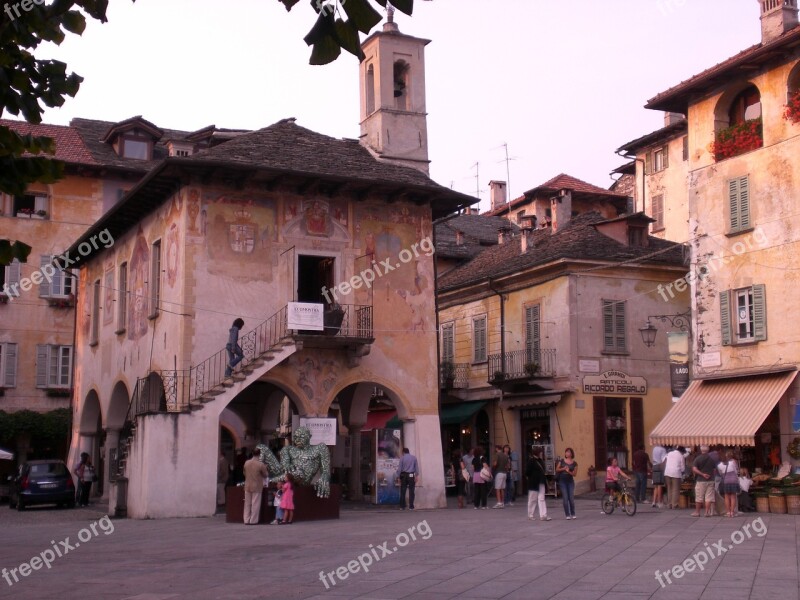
x: 613, y: 473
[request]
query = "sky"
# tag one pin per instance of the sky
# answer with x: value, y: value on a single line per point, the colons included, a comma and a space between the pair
x: 559, y: 84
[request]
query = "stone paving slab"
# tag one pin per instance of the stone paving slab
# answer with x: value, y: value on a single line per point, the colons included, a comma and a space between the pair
x: 467, y: 555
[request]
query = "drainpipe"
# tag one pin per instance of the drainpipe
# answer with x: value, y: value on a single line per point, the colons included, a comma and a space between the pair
x: 502, y: 348
x: 644, y: 178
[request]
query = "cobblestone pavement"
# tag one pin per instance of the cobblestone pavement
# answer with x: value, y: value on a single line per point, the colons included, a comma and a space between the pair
x: 386, y: 554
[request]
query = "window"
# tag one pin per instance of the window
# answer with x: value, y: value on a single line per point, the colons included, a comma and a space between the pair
x: 614, y: 326
x: 155, y: 279
x: 686, y: 147
x: 745, y: 107
x: 533, y: 335
x: 95, y: 314
x: 401, y: 80
x: 122, y: 301
x: 743, y: 315
x: 739, y: 204
x: 135, y: 147
x: 31, y: 205
x: 8, y: 365
x: 61, y: 284
x: 9, y: 279
x: 658, y: 212
x: 53, y: 366
x: 479, y: 339
x: 369, y: 88
x: 656, y: 160
x: 637, y: 236
x: 448, y: 343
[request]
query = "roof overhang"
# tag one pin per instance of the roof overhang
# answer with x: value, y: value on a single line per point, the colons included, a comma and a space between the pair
x: 656, y: 137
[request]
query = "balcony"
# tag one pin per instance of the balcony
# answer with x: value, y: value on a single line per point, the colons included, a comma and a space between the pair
x: 347, y: 326
x: 453, y: 376
x: 523, y: 367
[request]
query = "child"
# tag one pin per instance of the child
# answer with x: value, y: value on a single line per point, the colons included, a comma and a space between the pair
x: 278, y: 510
x: 287, y: 500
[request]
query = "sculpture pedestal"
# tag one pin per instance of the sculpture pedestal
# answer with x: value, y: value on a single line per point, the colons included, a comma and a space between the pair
x: 307, y: 507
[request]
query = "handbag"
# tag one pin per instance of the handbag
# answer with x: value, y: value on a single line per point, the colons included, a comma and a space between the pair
x: 465, y: 474
x: 486, y: 474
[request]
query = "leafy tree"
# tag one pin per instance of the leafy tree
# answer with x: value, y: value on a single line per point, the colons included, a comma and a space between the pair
x: 331, y: 33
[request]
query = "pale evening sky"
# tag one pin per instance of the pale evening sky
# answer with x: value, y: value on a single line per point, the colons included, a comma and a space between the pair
x: 563, y: 83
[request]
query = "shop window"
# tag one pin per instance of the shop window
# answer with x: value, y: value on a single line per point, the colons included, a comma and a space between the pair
x: 743, y: 315
x: 610, y: 431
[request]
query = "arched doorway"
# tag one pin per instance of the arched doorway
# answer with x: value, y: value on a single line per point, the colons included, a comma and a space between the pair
x: 92, y: 438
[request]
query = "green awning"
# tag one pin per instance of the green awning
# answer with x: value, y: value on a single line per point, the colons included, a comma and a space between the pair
x: 454, y: 414
x: 394, y: 423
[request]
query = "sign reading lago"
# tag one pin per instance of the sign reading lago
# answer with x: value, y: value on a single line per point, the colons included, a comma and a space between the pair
x: 614, y: 382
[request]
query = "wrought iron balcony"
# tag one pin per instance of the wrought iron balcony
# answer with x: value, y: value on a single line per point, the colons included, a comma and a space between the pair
x: 453, y: 375
x: 345, y: 324
x: 522, y: 365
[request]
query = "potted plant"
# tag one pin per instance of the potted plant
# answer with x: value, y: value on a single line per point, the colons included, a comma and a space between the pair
x: 791, y: 111
x: 737, y: 139
x: 499, y: 376
x: 332, y: 319
x: 532, y: 369
x: 448, y: 374
x: 41, y: 213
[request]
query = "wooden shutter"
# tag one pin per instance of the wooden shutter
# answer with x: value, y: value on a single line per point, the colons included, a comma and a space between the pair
x: 479, y: 339
x: 608, y: 325
x: 686, y: 147
x: 725, y: 316
x: 665, y: 152
x: 44, y: 287
x: 658, y: 211
x: 733, y: 204
x: 447, y: 343
x: 619, y: 326
x: 648, y: 163
x: 760, y: 312
x: 744, y: 203
x: 637, y: 423
x: 13, y: 273
x: 533, y: 335
x: 42, y: 355
x: 600, y: 448
x: 10, y: 365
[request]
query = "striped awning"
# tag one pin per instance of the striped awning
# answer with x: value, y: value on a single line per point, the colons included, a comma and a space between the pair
x: 724, y: 411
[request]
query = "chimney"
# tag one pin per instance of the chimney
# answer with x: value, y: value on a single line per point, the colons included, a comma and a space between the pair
x: 503, y: 235
x: 671, y: 118
x: 526, y: 241
x: 777, y: 17
x: 468, y: 210
x: 497, y: 194
x: 561, y: 209
x: 459, y: 238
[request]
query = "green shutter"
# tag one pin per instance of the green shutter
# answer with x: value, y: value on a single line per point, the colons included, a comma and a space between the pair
x: 10, y: 375
x: 760, y: 312
x: 42, y: 355
x: 744, y: 203
x: 733, y: 204
x: 479, y: 339
x: 447, y: 343
x: 725, y: 317
x: 533, y: 336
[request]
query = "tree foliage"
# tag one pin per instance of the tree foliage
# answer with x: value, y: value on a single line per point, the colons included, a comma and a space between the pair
x: 331, y: 33
x: 53, y: 426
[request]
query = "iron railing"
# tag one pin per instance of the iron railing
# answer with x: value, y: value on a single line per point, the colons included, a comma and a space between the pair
x: 454, y: 375
x: 348, y: 321
x: 522, y: 364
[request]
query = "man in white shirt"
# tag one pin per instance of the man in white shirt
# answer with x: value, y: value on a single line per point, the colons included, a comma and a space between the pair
x: 673, y: 474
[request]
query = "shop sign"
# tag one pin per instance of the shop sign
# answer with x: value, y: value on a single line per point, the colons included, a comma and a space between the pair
x: 614, y: 382
x: 323, y: 431
x: 304, y: 315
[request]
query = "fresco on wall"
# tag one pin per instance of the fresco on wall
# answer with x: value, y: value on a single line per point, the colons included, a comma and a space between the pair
x: 316, y: 375
x: 108, y: 295
x: 240, y: 234
x: 193, y: 210
x: 173, y: 246
x: 137, y: 287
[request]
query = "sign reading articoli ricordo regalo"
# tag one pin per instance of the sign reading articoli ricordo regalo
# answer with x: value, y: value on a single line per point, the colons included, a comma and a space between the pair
x: 614, y: 382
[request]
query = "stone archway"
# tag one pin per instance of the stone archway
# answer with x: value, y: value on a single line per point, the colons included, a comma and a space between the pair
x: 91, y: 437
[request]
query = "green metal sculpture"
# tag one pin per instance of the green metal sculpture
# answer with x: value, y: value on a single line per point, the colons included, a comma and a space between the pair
x: 301, y: 461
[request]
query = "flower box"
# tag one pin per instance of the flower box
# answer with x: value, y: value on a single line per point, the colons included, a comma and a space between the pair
x: 737, y: 139
x: 59, y: 392
x: 791, y: 111
x: 66, y: 302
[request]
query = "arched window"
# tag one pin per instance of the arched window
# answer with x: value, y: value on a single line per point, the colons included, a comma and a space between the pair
x: 738, y: 123
x: 401, y: 87
x: 745, y: 107
x: 792, y: 109
x: 369, y: 86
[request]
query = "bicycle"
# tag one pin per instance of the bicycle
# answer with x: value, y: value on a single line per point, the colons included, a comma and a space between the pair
x: 621, y: 498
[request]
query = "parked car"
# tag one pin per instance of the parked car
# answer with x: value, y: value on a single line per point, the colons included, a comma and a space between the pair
x: 42, y: 482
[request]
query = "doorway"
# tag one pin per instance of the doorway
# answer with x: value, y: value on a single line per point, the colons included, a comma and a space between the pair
x: 315, y: 275
x: 535, y: 425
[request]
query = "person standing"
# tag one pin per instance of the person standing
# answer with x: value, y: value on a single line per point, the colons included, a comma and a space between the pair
x: 565, y: 472
x: 255, y: 472
x: 223, y: 472
x: 235, y: 354
x: 287, y: 500
x: 85, y: 472
x: 641, y: 466
x: 659, y: 455
x: 458, y: 466
x: 673, y: 474
x: 467, y: 460
x: 704, y: 469
x: 500, y: 469
x: 510, y: 491
x: 407, y: 470
x: 729, y: 469
x: 479, y: 485
x: 536, y: 475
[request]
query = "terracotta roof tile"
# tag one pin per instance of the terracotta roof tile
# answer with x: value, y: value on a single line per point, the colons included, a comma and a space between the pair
x: 69, y: 145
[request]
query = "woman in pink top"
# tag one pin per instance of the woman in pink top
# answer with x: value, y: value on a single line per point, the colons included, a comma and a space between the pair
x: 613, y: 473
x: 287, y: 500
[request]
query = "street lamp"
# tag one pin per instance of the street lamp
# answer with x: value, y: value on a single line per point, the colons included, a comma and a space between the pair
x: 680, y: 321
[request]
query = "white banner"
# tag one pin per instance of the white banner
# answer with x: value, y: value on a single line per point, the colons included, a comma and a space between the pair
x: 323, y: 431
x: 304, y: 315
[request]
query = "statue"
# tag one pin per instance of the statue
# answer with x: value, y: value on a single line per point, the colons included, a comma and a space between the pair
x: 301, y: 461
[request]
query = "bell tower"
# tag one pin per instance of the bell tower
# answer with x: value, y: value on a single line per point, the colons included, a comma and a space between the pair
x: 392, y: 82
